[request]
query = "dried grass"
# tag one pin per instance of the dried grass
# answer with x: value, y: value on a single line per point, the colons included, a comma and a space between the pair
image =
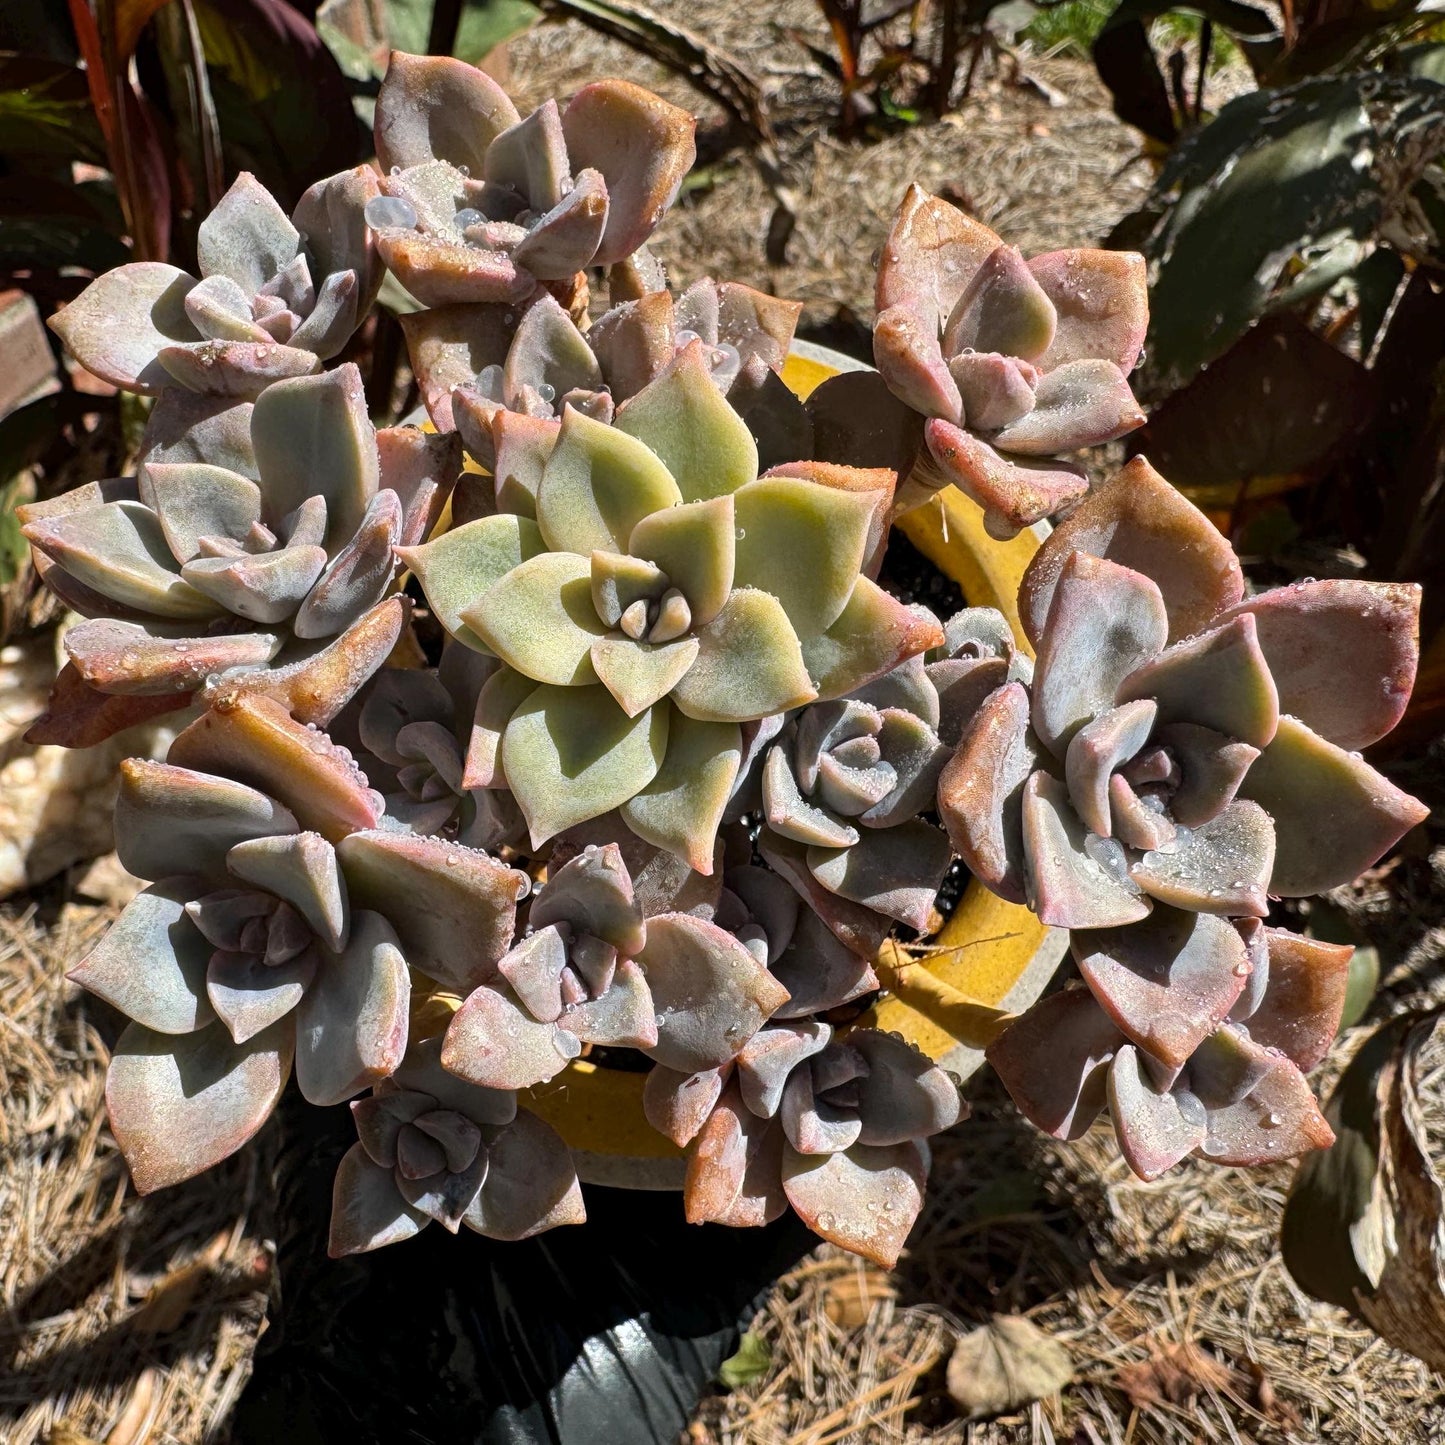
x: 124, y: 1319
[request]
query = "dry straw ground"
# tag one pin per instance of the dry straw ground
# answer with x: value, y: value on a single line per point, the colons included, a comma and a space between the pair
x: 127, y: 1321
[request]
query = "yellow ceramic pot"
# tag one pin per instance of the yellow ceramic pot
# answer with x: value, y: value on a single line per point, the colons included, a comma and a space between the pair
x: 991, y: 958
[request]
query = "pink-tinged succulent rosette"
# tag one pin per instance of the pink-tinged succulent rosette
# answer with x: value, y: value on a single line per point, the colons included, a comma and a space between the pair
x: 1183, y: 755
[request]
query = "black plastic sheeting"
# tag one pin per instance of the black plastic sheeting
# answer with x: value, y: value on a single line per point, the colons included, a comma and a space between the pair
x: 607, y: 1333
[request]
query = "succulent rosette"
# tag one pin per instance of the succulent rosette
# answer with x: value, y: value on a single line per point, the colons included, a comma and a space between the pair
x: 841, y: 788
x: 481, y: 205
x: 416, y: 728
x: 832, y: 1125
x: 1183, y: 755
x: 256, y: 555
x: 475, y: 363
x: 592, y: 969
x: 1010, y: 363
x: 277, y: 929
x: 655, y: 594
x: 1175, y: 1082
x: 276, y: 297
x: 433, y: 1147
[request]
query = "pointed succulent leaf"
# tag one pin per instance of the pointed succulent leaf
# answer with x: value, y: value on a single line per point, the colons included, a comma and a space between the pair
x: 1304, y: 998
x: 265, y: 588
x: 638, y: 674
x: 1012, y: 495
x: 909, y: 357
x: 312, y: 436
x: 1219, y: 679
x: 254, y: 742
x: 531, y: 157
x: 770, y: 1056
x: 521, y: 445
x: 592, y: 894
x: 212, y: 430
x: 930, y: 256
x: 996, y: 390
x: 819, y: 970
x: 531, y: 1183
x: 734, y: 1172
x: 683, y: 419
x: 332, y: 216
x: 250, y: 995
x: 814, y: 1125
x: 436, y: 108
x: 804, y: 543
x: 572, y: 754
x: 461, y: 566
x: 1053, y: 1060
x: 442, y: 1195
x: 619, y: 580
x: 533, y: 968
x: 436, y: 893
x: 677, y: 1104
x: 420, y: 467
x: 1211, y: 768
x: 597, y: 485
x: 1154, y: 1131
x: 236, y: 368
x: 682, y: 807
x: 1003, y: 310
x: 539, y: 618
x: 643, y: 148
x: 494, y: 1042
x: 358, y: 575
x: 913, y: 750
x: 449, y: 346
x: 548, y: 350
x: 790, y: 815
x: 896, y: 872
x: 757, y: 323
x: 1072, y: 886
x: 179, y: 1104
x: 710, y: 993
x: 1105, y: 622
x: 1079, y: 404
x: 151, y: 962
x: 694, y: 544
x: 872, y: 635
x: 1137, y: 520
x: 1315, y: 634
x: 127, y: 658
x: 1222, y: 866
x: 635, y: 342
x: 119, y: 549
x: 565, y: 239
x: 620, y: 1017
x: 302, y: 869
x: 172, y: 820
x: 878, y: 484
x: 1101, y: 300
x: 351, y: 1026
x: 1276, y: 1119
x: 500, y: 696
x: 367, y: 1212
x: 445, y: 273
x: 1095, y: 753
x: 248, y: 237
x: 864, y: 1199
x: 1166, y: 981
x: 749, y: 665
x: 119, y: 323
x: 1334, y: 815
x: 196, y: 500
x: 904, y: 1094
x: 380, y: 1118
x: 322, y: 680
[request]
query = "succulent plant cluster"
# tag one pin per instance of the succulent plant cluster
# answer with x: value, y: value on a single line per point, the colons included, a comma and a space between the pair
x: 681, y: 765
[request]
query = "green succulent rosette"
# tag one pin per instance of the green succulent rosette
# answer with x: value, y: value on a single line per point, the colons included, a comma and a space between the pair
x: 649, y: 594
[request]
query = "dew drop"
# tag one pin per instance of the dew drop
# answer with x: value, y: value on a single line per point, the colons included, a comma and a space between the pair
x: 468, y: 216
x: 386, y: 212
x: 741, y: 533
x: 825, y: 1220
x: 547, y: 391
